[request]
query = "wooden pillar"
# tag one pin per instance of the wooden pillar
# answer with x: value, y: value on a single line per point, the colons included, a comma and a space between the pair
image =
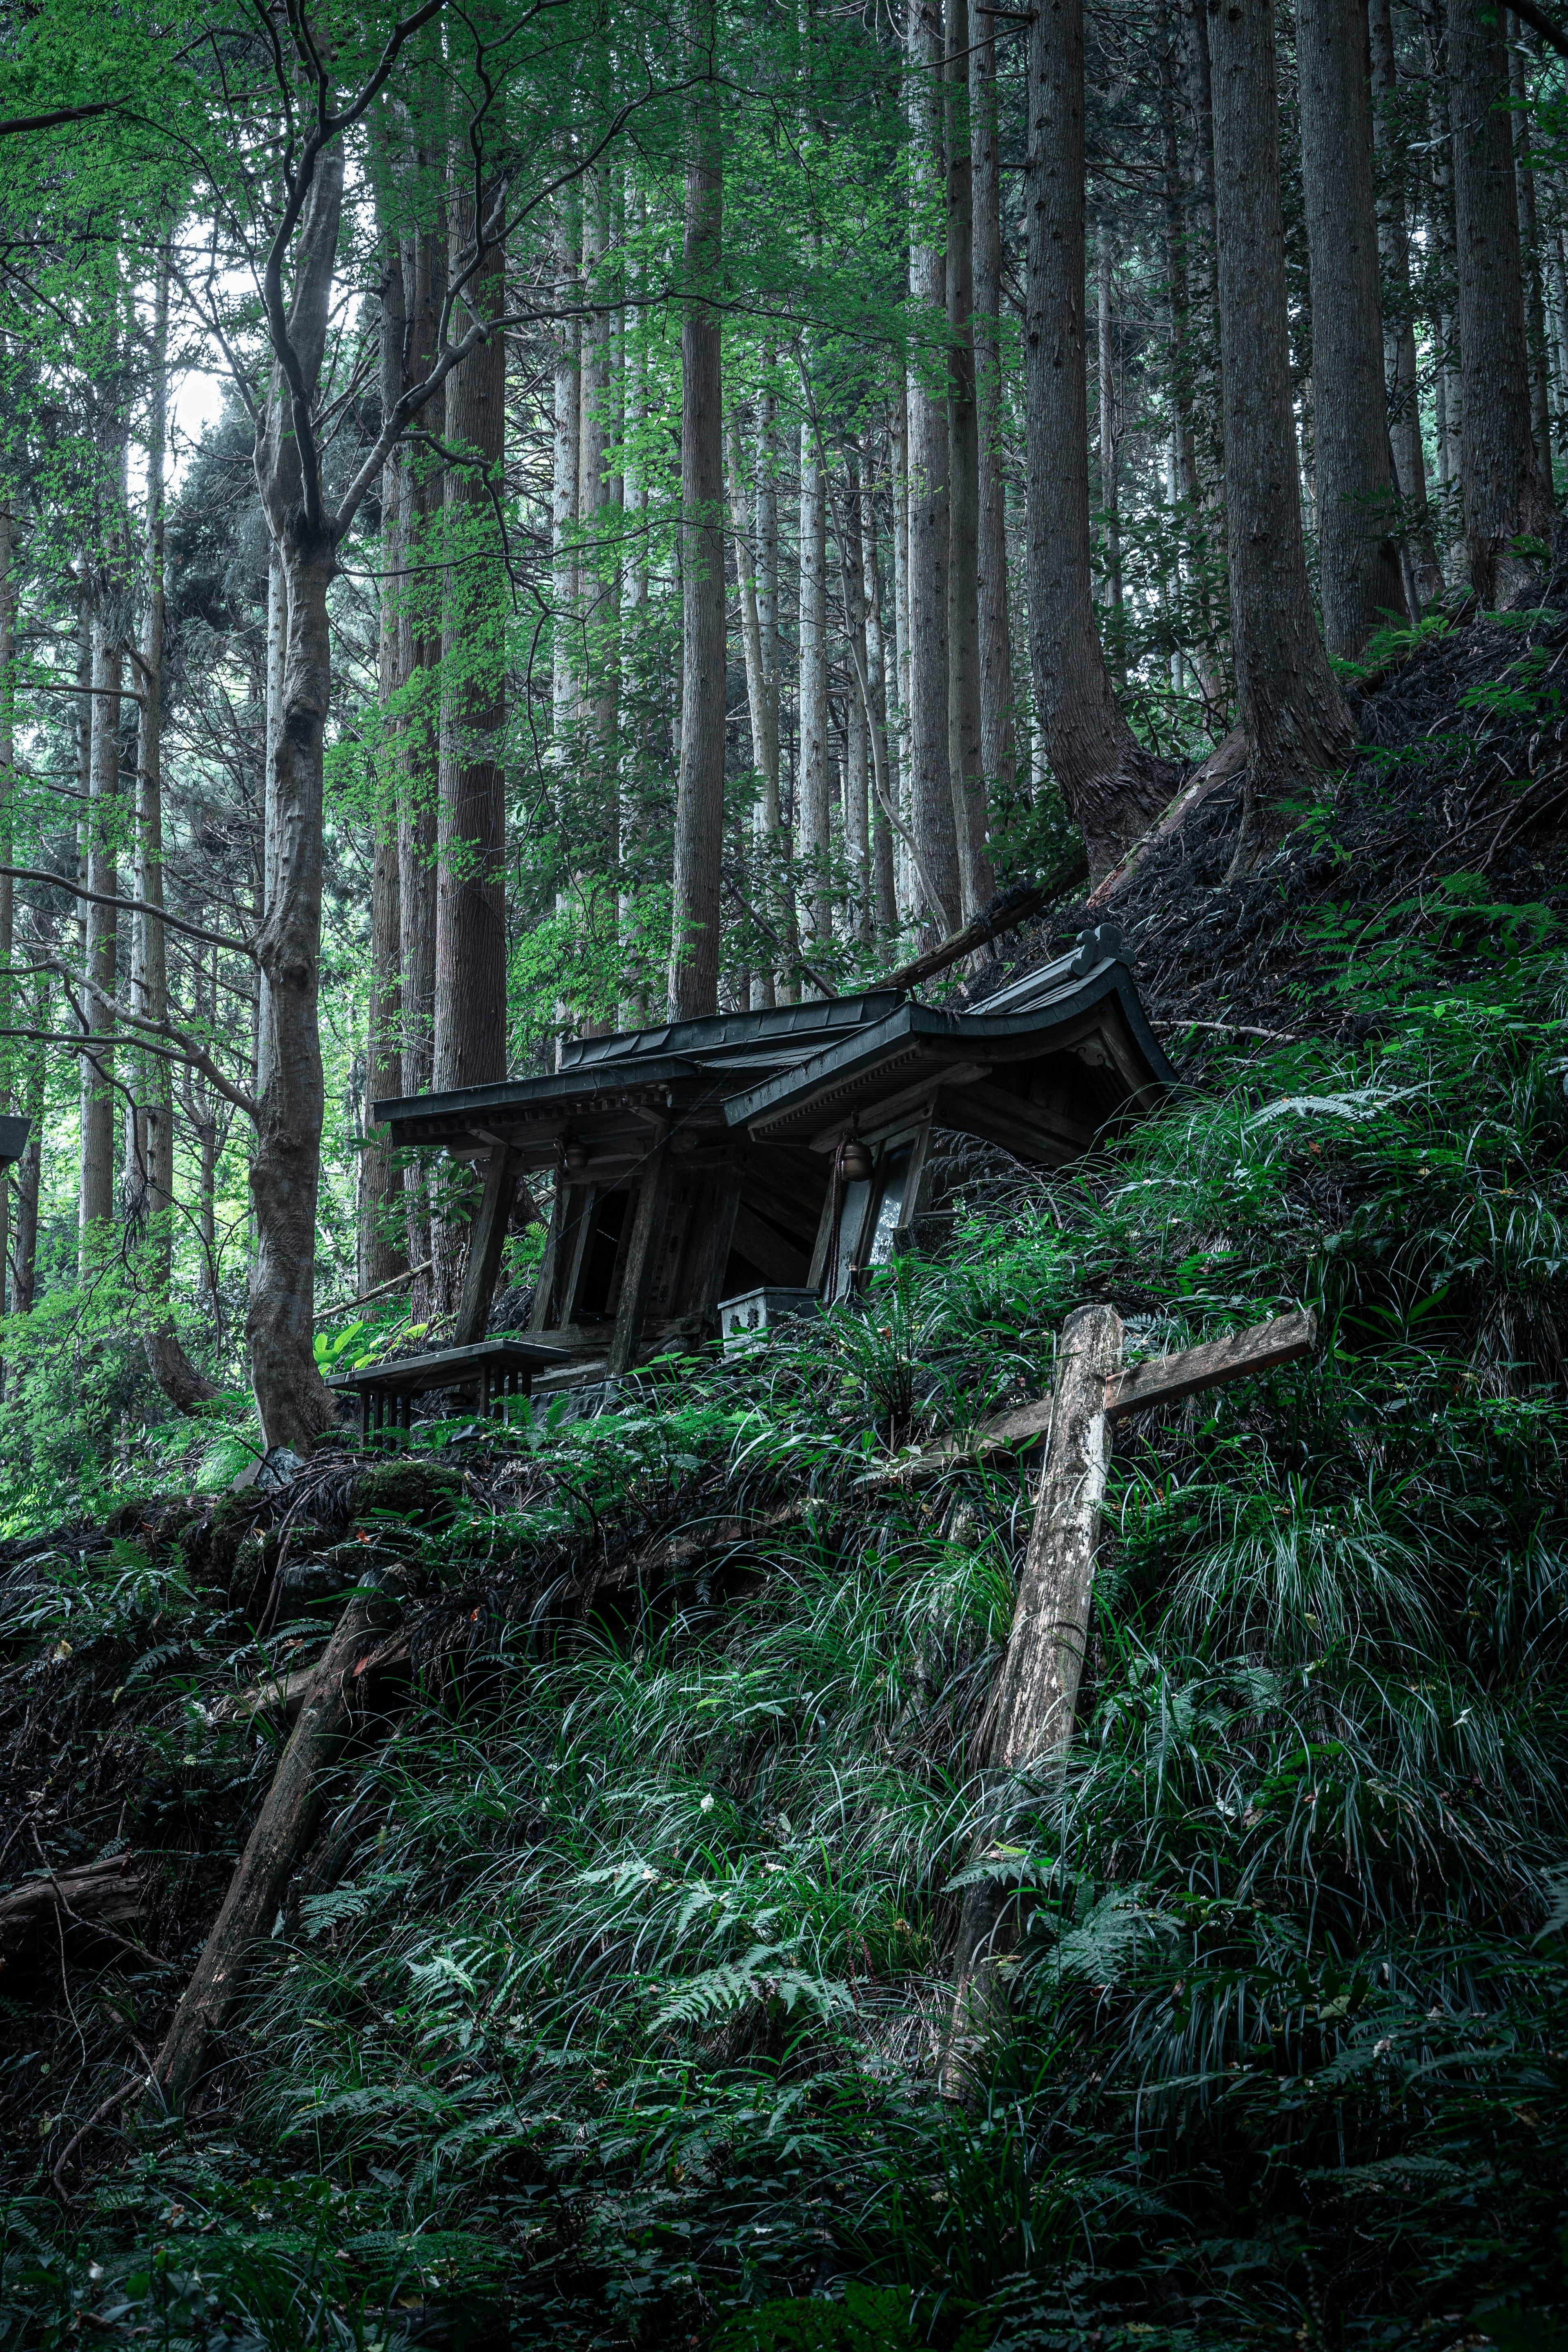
x: 486, y: 1239
x: 642, y: 1256
x: 1036, y: 1697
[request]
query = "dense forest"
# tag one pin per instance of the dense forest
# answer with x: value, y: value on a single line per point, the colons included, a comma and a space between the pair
x: 784, y: 1175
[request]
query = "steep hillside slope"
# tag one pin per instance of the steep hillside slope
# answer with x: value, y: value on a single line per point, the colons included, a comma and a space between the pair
x: 605, y: 2006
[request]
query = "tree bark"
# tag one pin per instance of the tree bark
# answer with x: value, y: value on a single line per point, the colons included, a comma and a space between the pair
x: 1362, y: 585
x: 700, y: 800
x: 419, y: 648
x: 8, y: 854
x: 899, y: 436
x: 470, y: 1043
x: 183, y: 1384
x: 1423, y: 565
x: 965, y: 755
x: 422, y: 648
x: 858, y: 723
x: 931, y: 791
x: 1504, y: 497
x: 881, y: 763
x: 30, y: 1173
x: 1109, y: 486
x: 760, y: 709
x: 598, y: 496
x: 101, y: 964
x: 1530, y: 257
x: 382, y: 1254
x: 1292, y: 713
x: 1114, y: 789
x: 293, y: 1401
x: 997, y: 756
x: 813, y: 842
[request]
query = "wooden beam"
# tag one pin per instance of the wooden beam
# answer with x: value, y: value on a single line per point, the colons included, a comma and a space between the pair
x: 642, y: 1258
x: 1165, y: 1380
x: 486, y: 1239
x: 1031, y: 1710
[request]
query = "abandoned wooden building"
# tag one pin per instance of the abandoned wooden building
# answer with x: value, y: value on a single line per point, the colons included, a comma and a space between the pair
x: 782, y: 1150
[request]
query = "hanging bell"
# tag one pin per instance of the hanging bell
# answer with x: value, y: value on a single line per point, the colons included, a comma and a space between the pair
x: 857, y: 1162
x: 576, y: 1157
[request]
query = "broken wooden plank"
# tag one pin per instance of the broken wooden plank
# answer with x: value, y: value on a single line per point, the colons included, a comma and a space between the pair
x: 1166, y: 1379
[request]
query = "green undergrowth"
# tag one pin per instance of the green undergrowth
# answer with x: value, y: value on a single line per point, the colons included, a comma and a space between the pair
x: 617, y: 2020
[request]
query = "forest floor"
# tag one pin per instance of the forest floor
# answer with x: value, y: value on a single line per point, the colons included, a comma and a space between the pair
x: 604, y: 2006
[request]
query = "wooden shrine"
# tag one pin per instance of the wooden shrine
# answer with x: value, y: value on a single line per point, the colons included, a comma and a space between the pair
x: 788, y: 1148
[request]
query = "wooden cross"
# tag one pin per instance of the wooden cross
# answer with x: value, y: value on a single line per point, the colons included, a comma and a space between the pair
x: 1036, y: 1696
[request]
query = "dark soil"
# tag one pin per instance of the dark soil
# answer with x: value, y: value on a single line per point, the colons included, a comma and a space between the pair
x: 1439, y: 789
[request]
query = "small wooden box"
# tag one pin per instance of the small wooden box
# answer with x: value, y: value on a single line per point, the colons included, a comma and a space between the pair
x: 749, y: 1315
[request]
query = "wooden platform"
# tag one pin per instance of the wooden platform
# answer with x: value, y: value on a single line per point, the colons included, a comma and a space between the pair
x: 492, y: 1372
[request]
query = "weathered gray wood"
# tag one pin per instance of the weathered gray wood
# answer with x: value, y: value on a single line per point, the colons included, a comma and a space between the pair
x: 1165, y: 1380
x: 486, y: 1239
x: 1032, y: 1706
x: 263, y: 1870
x: 642, y: 1258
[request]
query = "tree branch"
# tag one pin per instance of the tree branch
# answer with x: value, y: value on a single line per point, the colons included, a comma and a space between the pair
x: 132, y: 906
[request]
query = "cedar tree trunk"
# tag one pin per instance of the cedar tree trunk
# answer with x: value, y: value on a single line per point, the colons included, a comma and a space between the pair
x: 1363, y: 585
x: 1292, y: 712
x: 1113, y: 787
x: 700, y: 798
x: 1505, y: 499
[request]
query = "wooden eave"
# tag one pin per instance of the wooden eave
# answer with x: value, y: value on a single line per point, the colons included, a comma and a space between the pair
x: 919, y: 1057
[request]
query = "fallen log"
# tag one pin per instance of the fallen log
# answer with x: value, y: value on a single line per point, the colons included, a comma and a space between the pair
x: 262, y: 1873
x: 92, y: 1895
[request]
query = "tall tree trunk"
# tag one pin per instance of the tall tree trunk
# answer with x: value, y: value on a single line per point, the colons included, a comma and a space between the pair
x: 997, y: 758
x: 1529, y: 254
x: 1293, y: 714
x: 813, y: 842
x: 1505, y: 498
x: 781, y: 895
x: 1362, y: 582
x: 965, y: 754
x: 763, y: 713
x: 1424, y: 569
x: 30, y: 1173
x: 419, y: 648
x: 470, y: 1043
x: 7, y: 852
x: 858, y: 715
x: 700, y: 800
x: 601, y: 586
x: 885, y: 794
x: 383, y: 1254
x: 1114, y: 789
x: 101, y: 969
x: 180, y: 1380
x: 293, y: 1400
x: 1110, y: 487
x: 932, y: 802
x: 899, y: 436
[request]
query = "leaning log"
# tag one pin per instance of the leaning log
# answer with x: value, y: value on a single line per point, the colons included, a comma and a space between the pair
x: 263, y: 1871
